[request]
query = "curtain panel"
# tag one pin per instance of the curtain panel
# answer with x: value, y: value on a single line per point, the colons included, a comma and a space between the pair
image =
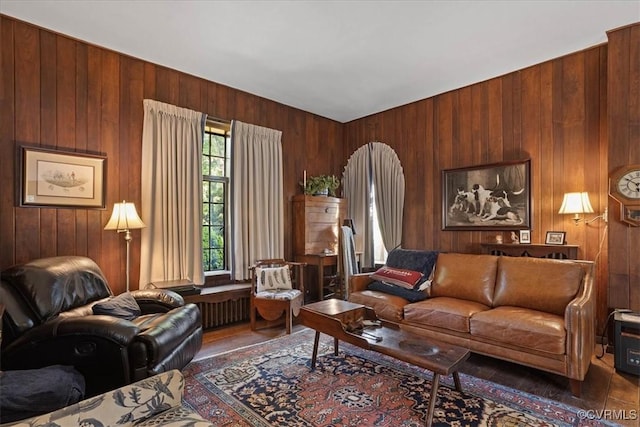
x: 375, y: 164
x: 388, y: 178
x: 171, y: 244
x: 356, y: 185
x: 257, y: 198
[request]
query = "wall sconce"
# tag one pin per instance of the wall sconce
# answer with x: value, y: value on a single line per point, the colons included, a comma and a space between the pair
x: 579, y: 203
x: 123, y: 219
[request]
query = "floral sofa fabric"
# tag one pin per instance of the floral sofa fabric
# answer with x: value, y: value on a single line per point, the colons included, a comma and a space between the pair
x: 152, y: 401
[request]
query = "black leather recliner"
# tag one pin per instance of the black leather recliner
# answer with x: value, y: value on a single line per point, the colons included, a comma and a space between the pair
x: 49, y: 320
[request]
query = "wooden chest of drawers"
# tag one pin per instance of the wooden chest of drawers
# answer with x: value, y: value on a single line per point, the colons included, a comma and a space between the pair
x: 316, y: 223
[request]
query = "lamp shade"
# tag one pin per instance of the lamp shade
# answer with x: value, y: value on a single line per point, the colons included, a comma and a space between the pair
x: 124, y: 217
x: 576, y: 203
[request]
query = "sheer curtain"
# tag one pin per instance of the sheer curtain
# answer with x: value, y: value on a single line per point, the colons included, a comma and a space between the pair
x: 375, y: 164
x: 257, y: 198
x: 171, y: 244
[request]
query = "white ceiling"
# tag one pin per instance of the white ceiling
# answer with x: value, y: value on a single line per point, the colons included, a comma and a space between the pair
x: 338, y: 59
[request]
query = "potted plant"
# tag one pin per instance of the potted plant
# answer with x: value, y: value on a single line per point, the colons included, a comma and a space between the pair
x: 321, y: 185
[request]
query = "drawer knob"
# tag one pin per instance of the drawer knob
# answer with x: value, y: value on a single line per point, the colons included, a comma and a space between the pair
x: 326, y: 210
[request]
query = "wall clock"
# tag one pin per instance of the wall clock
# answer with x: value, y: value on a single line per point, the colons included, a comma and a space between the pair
x: 625, y: 188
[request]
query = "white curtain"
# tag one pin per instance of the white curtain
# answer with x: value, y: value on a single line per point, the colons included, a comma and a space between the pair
x: 356, y: 185
x: 388, y: 178
x: 375, y: 164
x: 257, y: 196
x: 171, y: 244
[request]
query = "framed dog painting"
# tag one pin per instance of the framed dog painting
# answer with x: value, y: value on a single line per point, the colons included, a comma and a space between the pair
x: 488, y: 197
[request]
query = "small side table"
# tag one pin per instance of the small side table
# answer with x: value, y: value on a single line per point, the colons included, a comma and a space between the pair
x: 321, y: 261
x: 532, y: 250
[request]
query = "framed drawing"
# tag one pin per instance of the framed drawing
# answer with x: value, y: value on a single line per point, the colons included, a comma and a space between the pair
x: 525, y: 236
x: 489, y: 197
x: 555, y: 238
x: 61, y: 179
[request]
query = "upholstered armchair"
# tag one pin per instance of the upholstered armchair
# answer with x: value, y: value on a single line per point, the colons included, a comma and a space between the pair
x: 277, y: 289
x: 61, y: 311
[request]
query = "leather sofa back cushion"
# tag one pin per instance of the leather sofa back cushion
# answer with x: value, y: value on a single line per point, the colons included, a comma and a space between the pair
x: 465, y: 276
x: 56, y: 284
x: 539, y: 284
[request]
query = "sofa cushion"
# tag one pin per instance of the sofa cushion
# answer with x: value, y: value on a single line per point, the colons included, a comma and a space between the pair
x: 465, y: 276
x: 443, y: 312
x: 411, y: 295
x: 521, y: 327
x: 387, y: 307
x: 535, y: 283
x: 123, y: 306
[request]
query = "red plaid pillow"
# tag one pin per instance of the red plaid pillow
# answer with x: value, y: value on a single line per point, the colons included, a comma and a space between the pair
x: 396, y: 276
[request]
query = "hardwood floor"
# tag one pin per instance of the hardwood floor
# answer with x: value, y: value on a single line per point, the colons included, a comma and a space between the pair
x: 604, y: 389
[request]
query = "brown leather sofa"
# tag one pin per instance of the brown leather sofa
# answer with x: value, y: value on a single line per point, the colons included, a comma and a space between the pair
x: 50, y: 319
x: 531, y: 311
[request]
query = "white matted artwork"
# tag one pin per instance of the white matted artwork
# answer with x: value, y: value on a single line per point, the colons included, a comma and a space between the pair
x: 61, y: 179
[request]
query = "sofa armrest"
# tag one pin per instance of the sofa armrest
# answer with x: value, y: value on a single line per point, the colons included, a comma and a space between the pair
x: 580, y: 323
x: 132, y: 403
x: 359, y: 282
x: 157, y: 300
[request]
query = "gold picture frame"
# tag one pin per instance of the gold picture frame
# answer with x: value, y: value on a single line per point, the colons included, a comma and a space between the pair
x: 54, y: 178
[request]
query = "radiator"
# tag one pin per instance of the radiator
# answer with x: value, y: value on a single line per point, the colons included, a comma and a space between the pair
x: 215, y: 314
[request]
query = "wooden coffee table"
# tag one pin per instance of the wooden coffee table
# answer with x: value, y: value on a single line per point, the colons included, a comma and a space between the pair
x: 337, y: 318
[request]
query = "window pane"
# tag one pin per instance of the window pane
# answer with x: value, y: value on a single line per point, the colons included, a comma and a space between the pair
x: 217, y: 192
x: 218, y: 146
x: 217, y: 214
x: 205, y: 214
x: 205, y: 192
x: 206, y: 144
x: 217, y: 166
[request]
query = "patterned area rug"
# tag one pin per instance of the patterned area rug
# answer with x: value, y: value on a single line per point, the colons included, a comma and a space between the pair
x: 270, y: 384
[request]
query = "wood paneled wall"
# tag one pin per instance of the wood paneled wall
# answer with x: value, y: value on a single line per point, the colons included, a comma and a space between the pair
x: 553, y: 113
x: 624, y: 149
x: 63, y: 93
x: 66, y: 94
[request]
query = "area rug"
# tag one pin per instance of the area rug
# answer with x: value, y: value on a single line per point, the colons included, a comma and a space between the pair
x: 271, y: 384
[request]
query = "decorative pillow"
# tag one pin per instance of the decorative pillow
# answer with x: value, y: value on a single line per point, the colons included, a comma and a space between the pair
x: 408, y: 294
x: 123, y: 306
x: 397, y: 276
x: 273, y: 278
x: 412, y: 259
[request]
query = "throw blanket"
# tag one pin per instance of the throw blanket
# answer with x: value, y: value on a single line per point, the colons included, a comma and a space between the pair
x: 347, y: 264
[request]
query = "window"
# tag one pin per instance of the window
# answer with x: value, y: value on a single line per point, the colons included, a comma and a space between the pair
x: 216, y: 165
x: 379, y: 250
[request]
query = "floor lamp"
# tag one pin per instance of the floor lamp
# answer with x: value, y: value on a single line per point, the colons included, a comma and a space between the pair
x: 124, y: 218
